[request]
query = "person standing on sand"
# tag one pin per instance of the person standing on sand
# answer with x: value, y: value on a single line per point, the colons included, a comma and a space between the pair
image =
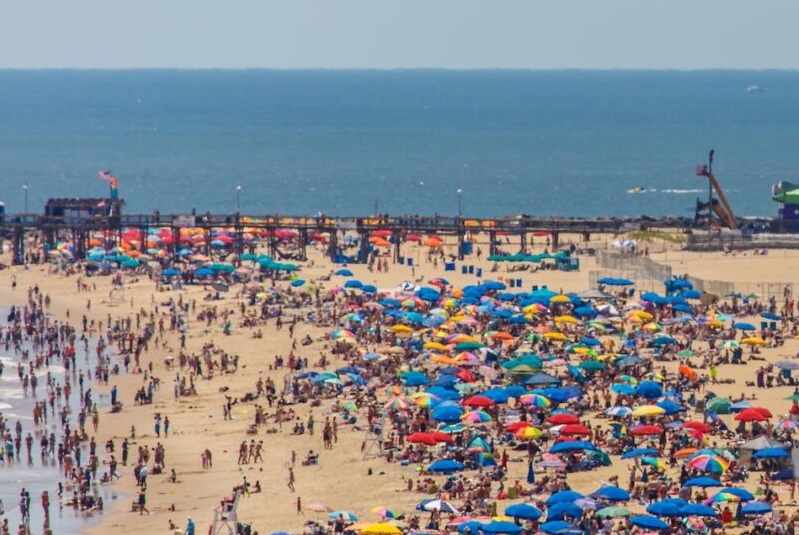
x: 189, y: 527
x: 291, y: 479
x: 143, y: 502
x: 299, y: 505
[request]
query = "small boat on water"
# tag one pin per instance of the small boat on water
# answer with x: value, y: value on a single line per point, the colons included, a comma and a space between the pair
x: 637, y: 189
x: 754, y: 89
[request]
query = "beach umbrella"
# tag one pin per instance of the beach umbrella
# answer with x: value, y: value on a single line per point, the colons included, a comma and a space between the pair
x: 556, y: 527
x: 648, y: 522
x: 472, y: 526
x: 346, y: 515
x: 528, y: 433
x: 296, y: 283
x: 575, y: 429
x: 719, y: 405
x: 756, y: 508
x: 563, y: 496
x: 649, y: 390
x: 622, y: 388
x: 478, y: 401
x: 436, y: 504
x: 502, y: 527
x: 751, y: 415
x: 744, y: 326
x: 702, y: 427
x: 619, y: 411
x: 477, y: 416
x: 447, y: 413
x: 660, y: 464
x: 524, y: 511
x: 754, y: 341
x: 535, y: 400
x: 742, y: 494
x: 709, y: 463
x: 561, y: 510
x: 446, y: 466
x: 670, y: 407
x: 578, y: 445
x: 646, y: 430
x: 648, y: 410
x: 563, y: 418
x: 669, y: 507
x: 771, y: 453
x: 770, y: 316
x: 639, y: 452
x: 343, y: 272
x: 612, y: 493
x: 698, y: 509
x: 703, y: 481
x: 613, y: 511
x: 384, y: 512
x: 422, y: 438
x: 382, y: 528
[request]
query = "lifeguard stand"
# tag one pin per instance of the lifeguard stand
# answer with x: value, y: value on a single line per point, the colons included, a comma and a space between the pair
x: 226, y: 521
x: 373, y: 440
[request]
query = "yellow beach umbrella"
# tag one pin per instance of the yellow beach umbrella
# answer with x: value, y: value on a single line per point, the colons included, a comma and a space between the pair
x: 567, y: 319
x: 643, y: 314
x: 555, y: 336
x: 382, y: 528
x: 401, y: 329
x: 754, y: 341
x: 435, y: 346
x: 648, y: 410
x: 560, y: 299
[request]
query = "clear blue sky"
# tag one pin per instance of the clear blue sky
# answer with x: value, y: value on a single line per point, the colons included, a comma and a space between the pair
x: 458, y: 34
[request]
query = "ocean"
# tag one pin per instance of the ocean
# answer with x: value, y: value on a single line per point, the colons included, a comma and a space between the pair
x: 567, y: 143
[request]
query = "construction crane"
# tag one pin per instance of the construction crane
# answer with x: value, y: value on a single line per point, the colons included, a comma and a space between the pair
x: 719, y: 206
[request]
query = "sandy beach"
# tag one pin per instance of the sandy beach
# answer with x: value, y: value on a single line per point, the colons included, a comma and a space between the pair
x: 342, y: 479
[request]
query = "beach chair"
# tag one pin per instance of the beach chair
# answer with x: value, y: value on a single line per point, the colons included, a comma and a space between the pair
x: 479, y: 272
x: 464, y: 270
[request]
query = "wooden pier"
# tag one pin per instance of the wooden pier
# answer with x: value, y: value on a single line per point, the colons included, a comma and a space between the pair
x: 79, y: 229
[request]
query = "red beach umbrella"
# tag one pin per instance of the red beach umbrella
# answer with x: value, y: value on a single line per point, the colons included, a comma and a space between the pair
x: 563, y: 418
x: 575, y: 429
x: 645, y: 430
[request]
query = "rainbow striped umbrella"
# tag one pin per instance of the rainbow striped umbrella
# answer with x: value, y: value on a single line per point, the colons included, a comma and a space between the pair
x: 384, y: 512
x: 476, y: 417
x: 536, y: 400
x: 398, y: 403
x: 660, y: 464
x: 709, y: 463
x: 341, y: 333
x: 424, y: 399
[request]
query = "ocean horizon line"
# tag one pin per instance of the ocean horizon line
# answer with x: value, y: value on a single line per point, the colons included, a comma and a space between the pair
x: 699, y: 70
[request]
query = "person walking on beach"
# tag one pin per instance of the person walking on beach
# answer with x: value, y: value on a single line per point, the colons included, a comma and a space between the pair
x: 189, y: 527
x: 299, y: 505
x: 143, y: 503
x: 291, y: 479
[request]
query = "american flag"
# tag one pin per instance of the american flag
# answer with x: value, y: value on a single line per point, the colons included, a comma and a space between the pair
x: 104, y: 175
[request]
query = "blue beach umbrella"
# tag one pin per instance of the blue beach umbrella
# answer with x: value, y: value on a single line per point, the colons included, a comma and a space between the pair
x: 563, y: 496
x: 612, y: 493
x: 502, y: 527
x: 524, y: 511
x: 563, y: 510
x: 698, y: 509
x: 669, y: 507
x: 640, y: 452
x: 648, y: 522
x: 703, y: 481
x: 445, y: 466
x: 559, y: 527
x: 771, y: 453
x: 756, y: 508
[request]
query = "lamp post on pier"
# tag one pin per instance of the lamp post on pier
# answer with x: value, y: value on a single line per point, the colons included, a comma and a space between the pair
x: 25, y: 189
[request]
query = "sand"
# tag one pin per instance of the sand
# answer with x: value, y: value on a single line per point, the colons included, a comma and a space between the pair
x: 340, y: 481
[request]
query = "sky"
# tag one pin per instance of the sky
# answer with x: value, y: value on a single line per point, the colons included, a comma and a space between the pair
x: 391, y: 34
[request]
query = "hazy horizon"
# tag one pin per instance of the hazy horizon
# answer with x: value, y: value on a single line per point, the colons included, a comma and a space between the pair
x: 391, y: 35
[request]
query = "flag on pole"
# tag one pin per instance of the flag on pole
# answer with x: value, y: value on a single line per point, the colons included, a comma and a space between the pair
x: 104, y: 175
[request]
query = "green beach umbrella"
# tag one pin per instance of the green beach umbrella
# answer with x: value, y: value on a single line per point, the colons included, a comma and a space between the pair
x: 613, y: 512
